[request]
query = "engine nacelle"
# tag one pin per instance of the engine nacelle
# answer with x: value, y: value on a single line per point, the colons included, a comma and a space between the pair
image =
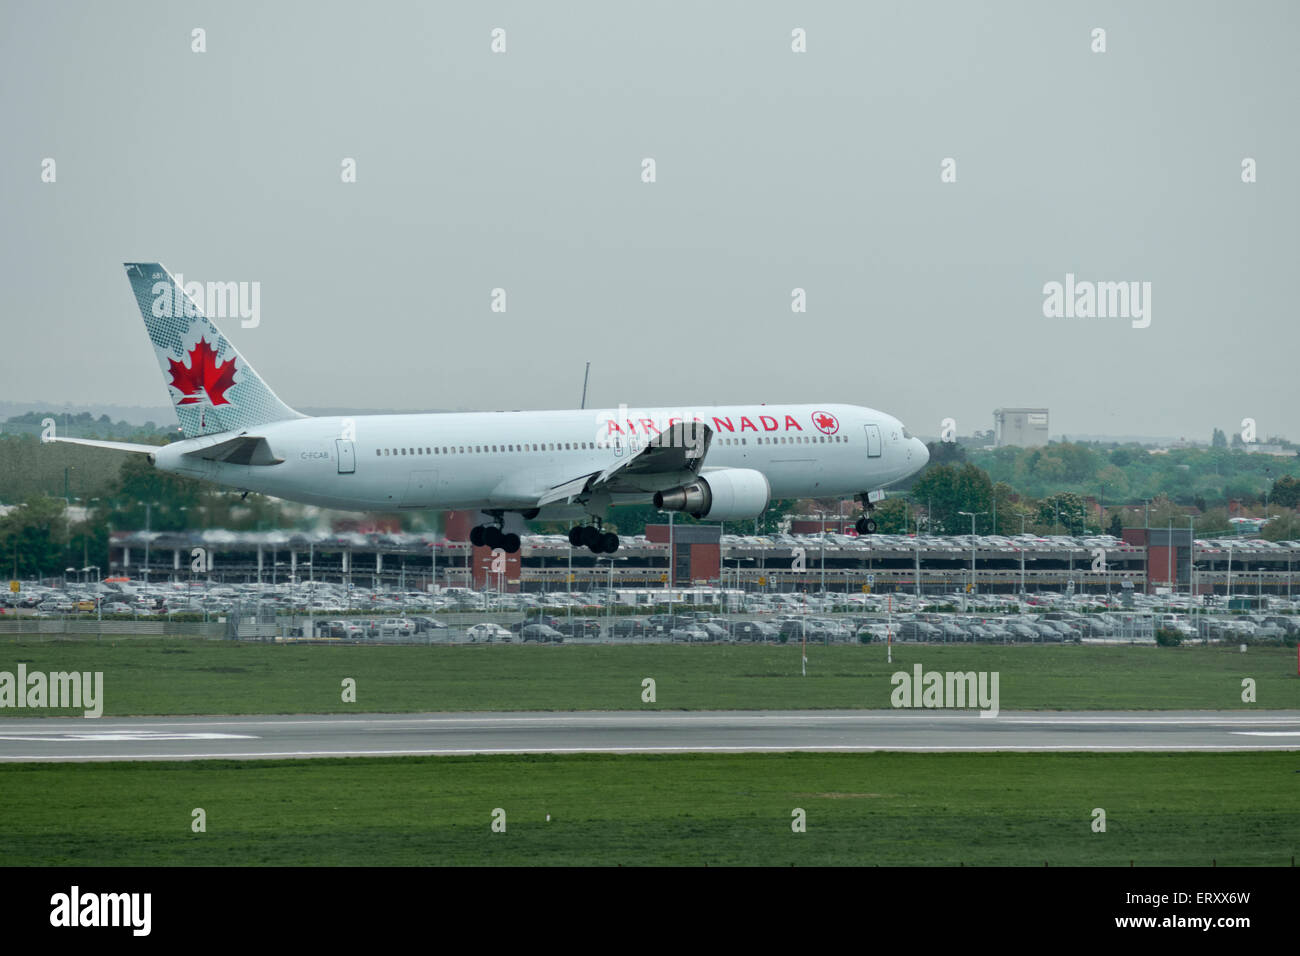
x: 724, y: 495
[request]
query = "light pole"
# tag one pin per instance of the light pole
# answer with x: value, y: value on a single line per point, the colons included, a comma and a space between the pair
x: 1229, y: 586
x: 1169, y: 556
x: 916, y: 554
x: 609, y: 596
x: 973, y: 515
x: 1191, y: 567
x: 823, y: 521
x: 148, y: 525
x: 99, y: 597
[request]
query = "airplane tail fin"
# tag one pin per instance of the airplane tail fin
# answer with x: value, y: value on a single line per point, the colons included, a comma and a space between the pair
x: 212, y: 386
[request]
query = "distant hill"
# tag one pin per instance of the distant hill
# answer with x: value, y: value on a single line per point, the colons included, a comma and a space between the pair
x: 82, y: 425
x: 131, y: 414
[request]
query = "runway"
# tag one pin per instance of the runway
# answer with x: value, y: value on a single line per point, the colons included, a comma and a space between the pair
x: 390, y: 735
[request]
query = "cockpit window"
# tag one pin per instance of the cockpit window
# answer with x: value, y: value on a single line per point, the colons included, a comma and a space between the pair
x: 906, y: 433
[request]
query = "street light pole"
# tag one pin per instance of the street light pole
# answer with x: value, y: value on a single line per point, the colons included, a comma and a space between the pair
x: 1169, y: 556
x: 972, y: 515
x: 1229, y: 586
x: 1191, y: 566
x: 823, y: 520
x: 148, y: 516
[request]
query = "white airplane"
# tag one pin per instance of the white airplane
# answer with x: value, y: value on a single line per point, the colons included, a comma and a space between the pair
x: 721, y: 463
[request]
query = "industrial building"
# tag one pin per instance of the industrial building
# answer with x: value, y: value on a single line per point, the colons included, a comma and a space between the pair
x: 1022, y: 427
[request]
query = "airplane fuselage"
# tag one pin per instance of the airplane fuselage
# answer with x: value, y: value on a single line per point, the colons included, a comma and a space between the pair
x: 507, y: 460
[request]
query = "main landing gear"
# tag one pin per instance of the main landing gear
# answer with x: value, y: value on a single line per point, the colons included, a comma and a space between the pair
x: 593, y: 539
x: 866, y: 524
x: 491, y: 536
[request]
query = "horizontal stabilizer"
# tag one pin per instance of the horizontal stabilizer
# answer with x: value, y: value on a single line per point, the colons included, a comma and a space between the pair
x: 115, y: 445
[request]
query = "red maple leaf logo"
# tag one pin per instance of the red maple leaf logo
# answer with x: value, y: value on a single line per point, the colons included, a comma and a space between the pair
x: 825, y: 422
x: 203, y: 376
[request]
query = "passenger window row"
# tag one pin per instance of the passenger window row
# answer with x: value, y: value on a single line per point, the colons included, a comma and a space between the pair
x: 580, y: 446
x: 484, y: 449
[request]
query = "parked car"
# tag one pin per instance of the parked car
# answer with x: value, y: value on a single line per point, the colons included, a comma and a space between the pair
x: 424, y: 625
x: 579, y: 627
x: 540, y: 632
x: 487, y: 632
x: 348, y: 630
x: 629, y: 627
x: 753, y: 631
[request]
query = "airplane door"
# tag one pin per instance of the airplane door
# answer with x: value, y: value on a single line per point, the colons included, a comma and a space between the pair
x: 347, y: 455
x: 873, y: 441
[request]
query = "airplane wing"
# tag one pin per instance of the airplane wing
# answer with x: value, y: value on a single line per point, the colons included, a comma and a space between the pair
x: 669, y: 459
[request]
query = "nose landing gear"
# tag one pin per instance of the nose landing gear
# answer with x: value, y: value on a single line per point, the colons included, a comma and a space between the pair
x: 866, y: 524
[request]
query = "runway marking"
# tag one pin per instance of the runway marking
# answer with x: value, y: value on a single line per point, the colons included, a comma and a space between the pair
x: 1062, y: 748
x: 650, y: 716
x: 110, y: 735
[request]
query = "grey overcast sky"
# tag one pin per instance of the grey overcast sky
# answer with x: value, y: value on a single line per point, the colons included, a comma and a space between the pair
x: 775, y: 170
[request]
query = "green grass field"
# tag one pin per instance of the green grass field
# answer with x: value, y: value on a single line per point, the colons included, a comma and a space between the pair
x: 171, y: 676
x: 862, y: 809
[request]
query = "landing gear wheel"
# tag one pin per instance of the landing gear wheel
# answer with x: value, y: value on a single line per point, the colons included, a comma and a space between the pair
x: 866, y: 526
x: 476, y: 536
x: 590, y: 537
x: 510, y: 543
x: 609, y: 542
x: 492, y: 536
x: 575, y: 537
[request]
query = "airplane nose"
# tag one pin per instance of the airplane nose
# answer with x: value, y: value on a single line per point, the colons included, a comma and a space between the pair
x: 920, y: 454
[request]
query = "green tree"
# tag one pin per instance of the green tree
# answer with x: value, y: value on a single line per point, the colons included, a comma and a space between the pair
x: 1212, y: 521
x: 1283, y: 527
x: 946, y: 490
x: 1286, y: 492
x: 892, y: 516
x: 946, y: 452
x: 1065, y: 509
x: 34, y: 539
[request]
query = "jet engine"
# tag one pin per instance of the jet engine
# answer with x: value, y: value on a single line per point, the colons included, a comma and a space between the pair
x: 722, y: 495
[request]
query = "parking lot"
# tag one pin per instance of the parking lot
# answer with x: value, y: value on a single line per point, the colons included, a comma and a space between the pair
x: 335, y: 612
